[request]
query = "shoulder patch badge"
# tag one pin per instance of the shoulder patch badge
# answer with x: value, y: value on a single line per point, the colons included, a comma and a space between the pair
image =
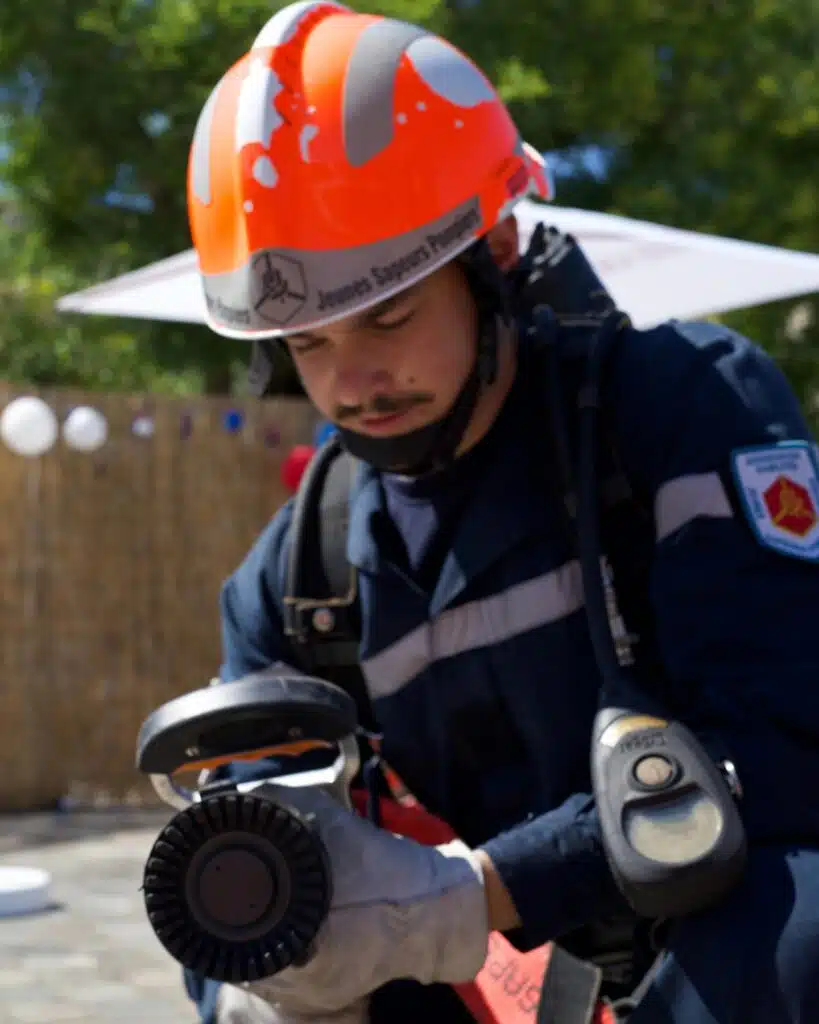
x: 778, y: 486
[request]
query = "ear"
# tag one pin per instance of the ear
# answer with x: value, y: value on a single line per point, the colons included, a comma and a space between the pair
x: 504, y: 243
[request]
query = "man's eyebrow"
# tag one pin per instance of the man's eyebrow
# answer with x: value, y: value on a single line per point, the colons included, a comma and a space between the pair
x: 375, y: 312
x: 364, y: 318
x: 305, y: 336
x: 367, y: 317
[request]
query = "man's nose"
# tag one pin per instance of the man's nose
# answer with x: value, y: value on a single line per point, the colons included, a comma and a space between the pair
x: 358, y: 379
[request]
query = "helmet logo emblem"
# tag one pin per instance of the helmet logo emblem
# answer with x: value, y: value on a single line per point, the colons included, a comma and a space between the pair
x: 280, y: 287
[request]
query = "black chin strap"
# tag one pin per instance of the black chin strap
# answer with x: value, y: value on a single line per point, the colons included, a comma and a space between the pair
x: 423, y: 450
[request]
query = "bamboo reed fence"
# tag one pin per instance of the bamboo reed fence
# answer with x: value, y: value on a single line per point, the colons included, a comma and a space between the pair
x: 111, y: 569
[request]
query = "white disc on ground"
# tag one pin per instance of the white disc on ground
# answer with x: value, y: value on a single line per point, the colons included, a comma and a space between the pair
x: 23, y: 891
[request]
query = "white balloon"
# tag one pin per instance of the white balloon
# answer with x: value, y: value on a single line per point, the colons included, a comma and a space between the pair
x: 85, y: 429
x: 143, y: 426
x: 28, y: 426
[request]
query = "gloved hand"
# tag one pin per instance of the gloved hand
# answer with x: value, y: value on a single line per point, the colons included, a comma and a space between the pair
x: 236, y: 1006
x: 399, y: 910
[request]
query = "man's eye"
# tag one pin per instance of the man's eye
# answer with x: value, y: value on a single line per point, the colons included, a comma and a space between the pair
x: 393, y: 325
x: 302, y: 348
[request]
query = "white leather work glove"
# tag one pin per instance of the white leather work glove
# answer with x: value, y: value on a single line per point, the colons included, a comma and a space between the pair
x: 236, y: 1006
x: 399, y: 910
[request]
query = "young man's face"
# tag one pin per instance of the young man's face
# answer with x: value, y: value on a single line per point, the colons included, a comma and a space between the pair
x: 401, y: 364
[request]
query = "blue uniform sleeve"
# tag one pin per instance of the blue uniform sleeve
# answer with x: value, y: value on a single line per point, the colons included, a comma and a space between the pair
x: 250, y: 604
x: 556, y: 872
x: 735, y: 621
x: 253, y: 637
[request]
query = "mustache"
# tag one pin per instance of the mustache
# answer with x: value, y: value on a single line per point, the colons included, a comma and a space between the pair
x: 382, y: 405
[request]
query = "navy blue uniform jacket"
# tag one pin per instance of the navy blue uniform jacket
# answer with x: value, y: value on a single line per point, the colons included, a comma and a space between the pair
x: 485, y: 688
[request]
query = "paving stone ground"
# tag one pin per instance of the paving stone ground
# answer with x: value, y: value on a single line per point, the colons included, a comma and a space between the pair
x: 93, y: 957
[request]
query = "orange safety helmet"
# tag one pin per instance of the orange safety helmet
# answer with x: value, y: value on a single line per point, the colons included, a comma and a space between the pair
x: 343, y: 158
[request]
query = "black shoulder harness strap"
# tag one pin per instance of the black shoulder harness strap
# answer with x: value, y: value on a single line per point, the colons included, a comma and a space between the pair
x: 321, y: 609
